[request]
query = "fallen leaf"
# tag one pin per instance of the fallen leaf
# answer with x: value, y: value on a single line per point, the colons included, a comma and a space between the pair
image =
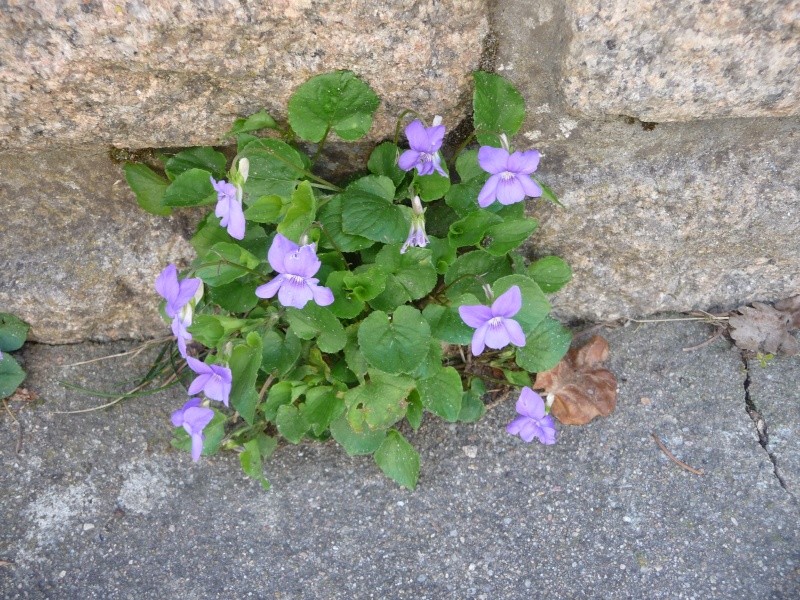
x: 24, y: 395
x: 791, y: 306
x: 763, y: 328
x: 582, y: 389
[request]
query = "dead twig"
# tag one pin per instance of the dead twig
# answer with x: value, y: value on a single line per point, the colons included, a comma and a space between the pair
x: 713, y: 338
x: 127, y: 394
x: 670, y: 456
x: 132, y: 353
x: 19, y: 426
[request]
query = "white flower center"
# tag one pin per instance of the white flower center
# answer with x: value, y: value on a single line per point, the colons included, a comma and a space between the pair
x: 506, y: 175
x: 495, y: 322
x: 426, y: 157
x: 296, y: 279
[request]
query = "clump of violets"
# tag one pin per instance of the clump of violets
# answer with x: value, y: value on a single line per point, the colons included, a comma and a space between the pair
x: 193, y: 418
x: 229, y: 201
x: 510, y: 180
x: 493, y: 324
x: 181, y: 296
x: 533, y: 420
x: 214, y: 381
x: 296, y: 266
x: 425, y: 143
x: 417, y: 236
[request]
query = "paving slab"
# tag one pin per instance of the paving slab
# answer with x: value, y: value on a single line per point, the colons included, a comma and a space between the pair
x: 99, y: 506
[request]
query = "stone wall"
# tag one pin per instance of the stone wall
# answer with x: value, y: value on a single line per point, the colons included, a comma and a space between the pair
x: 670, y: 131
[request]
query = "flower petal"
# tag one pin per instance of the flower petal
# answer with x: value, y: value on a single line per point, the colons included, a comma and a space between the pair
x: 293, y: 293
x: 530, y: 187
x: 236, y: 223
x: 167, y: 283
x: 478, y: 340
x: 417, y: 136
x: 529, y: 431
x: 435, y: 137
x: 530, y: 404
x: 197, y: 446
x: 436, y: 163
x: 199, y: 383
x: 475, y: 315
x: 269, y: 289
x: 408, y: 160
x: 497, y: 336
x: 186, y: 291
x: 303, y: 263
x: 322, y: 295
x: 198, y: 366
x: 217, y: 389
x: 515, y: 333
x: 197, y: 417
x: 516, y: 425
x: 493, y: 160
x: 488, y: 192
x: 281, y: 246
x: 508, y: 303
x: 509, y: 191
x: 524, y: 162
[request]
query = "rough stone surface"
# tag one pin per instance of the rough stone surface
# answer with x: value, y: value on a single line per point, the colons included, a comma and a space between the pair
x: 684, y: 59
x: 775, y: 394
x: 150, y: 74
x: 678, y: 217
x: 78, y: 256
x: 603, y: 513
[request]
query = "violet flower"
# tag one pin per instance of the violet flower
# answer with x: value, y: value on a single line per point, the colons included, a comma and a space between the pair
x: 510, y: 181
x: 296, y: 267
x: 532, y: 421
x: 417, y: 236
x: 213, y: 380
x: 229, y: 208
x: 494, y: 326
x: 176, y: 293
x: 193, y: 418
x: 179, y: 329
x: 425, y: 143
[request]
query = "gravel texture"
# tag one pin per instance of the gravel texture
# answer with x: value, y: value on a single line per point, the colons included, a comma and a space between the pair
x: 99, y: 506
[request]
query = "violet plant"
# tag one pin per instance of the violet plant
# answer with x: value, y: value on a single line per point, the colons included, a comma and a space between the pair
x: 350, y: 311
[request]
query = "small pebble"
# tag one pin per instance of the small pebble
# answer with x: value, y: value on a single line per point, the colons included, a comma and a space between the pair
x: 88, y: 526
x: 470, y: 451
x: 62, y: 574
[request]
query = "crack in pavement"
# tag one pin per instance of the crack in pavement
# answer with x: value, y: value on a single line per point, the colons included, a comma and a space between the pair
x: 761, y: 426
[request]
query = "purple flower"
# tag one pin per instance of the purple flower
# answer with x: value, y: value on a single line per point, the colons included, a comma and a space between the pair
x: 229, y: 207
x: 510, y: 181
x: 417, y: 236
x: 193, y: 418
x: 213, y: 380
x: 176, y: 293
x: 532, y: 422
x: 296, y: 267
x: 493, y: 324
x: 425, y: 143
x: 179, y: 325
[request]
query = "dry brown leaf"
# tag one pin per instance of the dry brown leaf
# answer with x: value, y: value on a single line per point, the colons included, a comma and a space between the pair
x: 762, y: 328
x: 583, y: 389
x: 791, y: 306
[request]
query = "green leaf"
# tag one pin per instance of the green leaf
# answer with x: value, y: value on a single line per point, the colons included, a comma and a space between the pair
x: 413, y: 270
x: 266, y: 209
x: 346, y: 305
x: 279, y: 354
x: 414, y: 411
x: 356, y: 443
x: 367, y: 282
x: 207, y: 330
x: 259, y: 120
x: 509, y: 235
x: 378, y: 185
x: 431, y: 364
x: 13, y: 332
x: 275, y: 168
x: 383, y: 161
x: 330, y: 217
x: 250, y: 459
x: 317, y: 321
x: 244, y: 363
x: 544, y: 347
x: 321, y: 407
x: 235, y: 297
x: 470, y: 230
x: 472, y: 406
x: 280, y: 394
x: 301, y: 213
x: 373, y: 217
x: 551, y: 273
x: 470, y: 271
x: 382, y: 400
x: 203, y: 158
x: 149, y: 188
x: 396, y: 346
x: 225, y: 262
x: 431, y: 187
x: 463, y: 197
x: 518, y: 378
x: 547, y: 193
x: 467, y: 166
x: 291, y: 423
x: 209, y: 233
x: 352, y: 354
x: 11, y: 375
x: 190, y: 188
x: 398, y: 460
x: 213, y: 433
x: 534, y: 303
x: 498, y: 108
x: 337, y: 101
x: 447, y: 325
x: 441, y: 393
x: 442, y: 253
